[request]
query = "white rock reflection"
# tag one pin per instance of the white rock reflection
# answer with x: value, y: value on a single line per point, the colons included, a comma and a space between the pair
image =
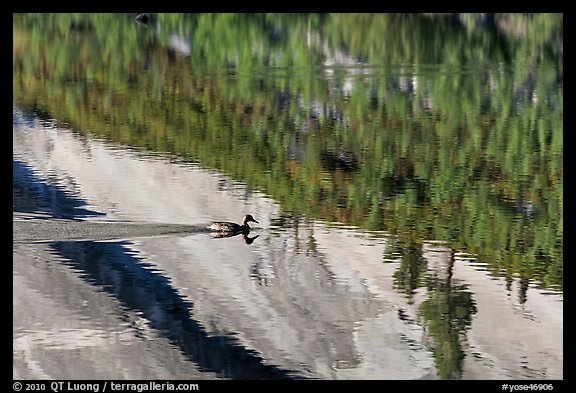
x: 315, y: 300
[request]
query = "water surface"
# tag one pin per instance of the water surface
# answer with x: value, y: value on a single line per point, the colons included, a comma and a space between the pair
x: 407, y: 177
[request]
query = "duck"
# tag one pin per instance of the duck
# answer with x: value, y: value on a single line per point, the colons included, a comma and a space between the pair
x: 141, y: 19
x: 231, y: 227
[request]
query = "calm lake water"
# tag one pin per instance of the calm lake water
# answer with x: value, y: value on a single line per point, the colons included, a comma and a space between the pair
x: 406, y: 172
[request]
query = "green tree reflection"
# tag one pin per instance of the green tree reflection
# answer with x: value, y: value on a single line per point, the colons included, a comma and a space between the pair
x: 446, y: 315
x: 423, y: 126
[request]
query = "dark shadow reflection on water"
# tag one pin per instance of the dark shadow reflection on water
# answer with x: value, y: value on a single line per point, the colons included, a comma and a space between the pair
x: 32, y: 195
x: 114, y: 268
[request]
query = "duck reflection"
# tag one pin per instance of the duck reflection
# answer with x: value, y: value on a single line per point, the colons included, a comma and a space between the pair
x: 247, y: 239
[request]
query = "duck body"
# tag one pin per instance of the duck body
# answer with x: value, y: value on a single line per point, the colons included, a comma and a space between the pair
x: 231, y: 227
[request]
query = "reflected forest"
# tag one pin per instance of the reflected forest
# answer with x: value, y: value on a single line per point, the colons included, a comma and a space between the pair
x: 424, y: 126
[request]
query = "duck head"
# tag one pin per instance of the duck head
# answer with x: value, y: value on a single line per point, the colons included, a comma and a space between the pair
x: 248, y: 218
